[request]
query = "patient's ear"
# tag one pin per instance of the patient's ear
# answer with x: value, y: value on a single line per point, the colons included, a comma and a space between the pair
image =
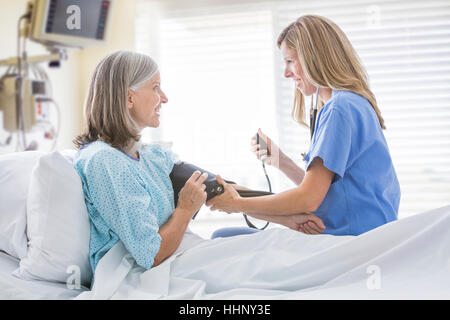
x: 130, y: 99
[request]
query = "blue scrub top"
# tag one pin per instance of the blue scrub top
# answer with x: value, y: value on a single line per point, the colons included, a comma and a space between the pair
x: 365, y: 192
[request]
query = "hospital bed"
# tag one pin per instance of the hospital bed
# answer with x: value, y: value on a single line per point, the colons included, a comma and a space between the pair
x: 15, y: 288
x: 44, y: 235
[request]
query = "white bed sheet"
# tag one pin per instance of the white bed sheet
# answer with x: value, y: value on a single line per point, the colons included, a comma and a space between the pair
x: 13, y: 288
x: 405, y: 259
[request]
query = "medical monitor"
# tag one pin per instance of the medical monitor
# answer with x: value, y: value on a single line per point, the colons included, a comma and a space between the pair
x: 70, y: 23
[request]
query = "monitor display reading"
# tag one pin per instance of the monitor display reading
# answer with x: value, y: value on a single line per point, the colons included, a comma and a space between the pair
x: 82, y: 18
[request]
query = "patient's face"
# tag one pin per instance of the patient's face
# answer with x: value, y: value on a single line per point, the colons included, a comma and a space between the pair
x: 293, y: 69
x: 146, y: 103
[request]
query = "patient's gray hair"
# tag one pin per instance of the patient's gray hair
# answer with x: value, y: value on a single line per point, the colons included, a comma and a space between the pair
x: 106, y: 114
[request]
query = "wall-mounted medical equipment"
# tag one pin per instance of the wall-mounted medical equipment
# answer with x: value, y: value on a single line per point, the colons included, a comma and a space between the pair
x: 69, y: 23
x: 26, y: 103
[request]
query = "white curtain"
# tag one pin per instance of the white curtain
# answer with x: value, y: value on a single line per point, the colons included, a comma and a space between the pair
x: 223, y: 75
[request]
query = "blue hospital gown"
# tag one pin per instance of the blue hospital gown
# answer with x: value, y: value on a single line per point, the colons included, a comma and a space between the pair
x: 365, y: 192
x: 127, y: 199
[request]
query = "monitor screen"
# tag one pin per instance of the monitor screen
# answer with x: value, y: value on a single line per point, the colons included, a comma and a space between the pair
x: 82, y: 18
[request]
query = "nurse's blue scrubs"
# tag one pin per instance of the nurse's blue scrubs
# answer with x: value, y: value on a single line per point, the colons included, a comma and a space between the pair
x: 365, y: 192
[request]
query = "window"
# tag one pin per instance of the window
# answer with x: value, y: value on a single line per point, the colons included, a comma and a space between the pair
x: 224, y: 78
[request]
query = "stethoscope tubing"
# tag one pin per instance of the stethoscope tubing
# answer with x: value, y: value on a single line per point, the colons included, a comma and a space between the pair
x: 313, y: 116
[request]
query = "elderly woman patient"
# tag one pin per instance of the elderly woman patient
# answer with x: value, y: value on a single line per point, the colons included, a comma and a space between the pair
x: 127, y: 188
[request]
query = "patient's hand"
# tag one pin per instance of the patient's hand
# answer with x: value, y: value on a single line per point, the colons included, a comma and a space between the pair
x: 305, y: 222
x: 193, y: 195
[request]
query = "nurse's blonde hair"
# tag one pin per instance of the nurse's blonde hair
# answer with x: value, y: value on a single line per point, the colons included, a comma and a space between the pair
x: 328, y: 60
x: 107, y: 116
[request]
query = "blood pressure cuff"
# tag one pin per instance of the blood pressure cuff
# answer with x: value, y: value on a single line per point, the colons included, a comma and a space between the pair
x: 182, y: 171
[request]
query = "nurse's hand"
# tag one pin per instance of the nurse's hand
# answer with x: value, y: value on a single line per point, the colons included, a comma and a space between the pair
x: 273, y: 152
x: 238, y: 187
x: 305, y: 222
x: 228, y: 201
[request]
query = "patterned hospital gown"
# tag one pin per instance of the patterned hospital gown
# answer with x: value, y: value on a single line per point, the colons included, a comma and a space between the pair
x: 126, y: 198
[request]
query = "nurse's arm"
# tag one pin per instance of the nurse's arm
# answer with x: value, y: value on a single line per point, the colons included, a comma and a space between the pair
x: 307, y: 197
x: 291, y: 169
x: 297, y: 222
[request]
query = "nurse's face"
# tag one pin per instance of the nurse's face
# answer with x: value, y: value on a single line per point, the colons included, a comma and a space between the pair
x: 145, y: 103
x: 294, y: 70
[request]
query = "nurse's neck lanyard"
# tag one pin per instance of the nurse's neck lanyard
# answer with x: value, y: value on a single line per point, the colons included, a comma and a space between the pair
x: 313, y: 115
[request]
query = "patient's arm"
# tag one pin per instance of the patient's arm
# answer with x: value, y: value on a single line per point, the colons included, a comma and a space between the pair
x: 192, y: 197
x: 171, y: 234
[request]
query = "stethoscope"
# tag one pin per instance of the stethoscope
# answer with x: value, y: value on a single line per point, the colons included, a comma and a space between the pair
x: 313, y: 115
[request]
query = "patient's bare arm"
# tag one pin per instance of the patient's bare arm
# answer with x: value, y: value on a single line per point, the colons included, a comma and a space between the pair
x: 192, y: 197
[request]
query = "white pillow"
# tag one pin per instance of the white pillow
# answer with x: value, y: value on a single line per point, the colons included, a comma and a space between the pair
x: 57, y: 223
x: 15, y: 173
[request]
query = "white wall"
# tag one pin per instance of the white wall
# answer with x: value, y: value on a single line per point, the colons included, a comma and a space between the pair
x: 121, y: 37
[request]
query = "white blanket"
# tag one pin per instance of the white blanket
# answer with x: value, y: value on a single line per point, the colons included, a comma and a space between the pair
x: 405, y: 259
